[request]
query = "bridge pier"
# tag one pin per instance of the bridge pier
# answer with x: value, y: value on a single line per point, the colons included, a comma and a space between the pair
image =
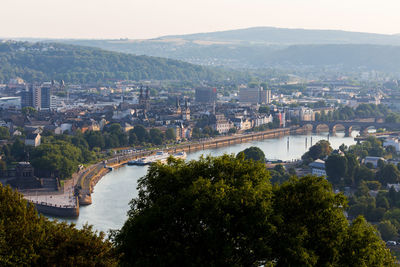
x: 347, y: 131
x: 314, y: 128
x: 332, y: 130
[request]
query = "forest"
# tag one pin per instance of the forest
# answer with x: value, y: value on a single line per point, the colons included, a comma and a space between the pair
x: 37, y: 62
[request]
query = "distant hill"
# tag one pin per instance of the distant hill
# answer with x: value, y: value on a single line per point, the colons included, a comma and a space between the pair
x: 265, y: 47
x: 47, y: 61
x: 282, y: 36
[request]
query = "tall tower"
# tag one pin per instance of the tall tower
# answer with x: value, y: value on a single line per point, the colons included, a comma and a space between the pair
x: 147, y: 99
x: 37, y: 96
x: 141, y: 96
x: 178, y: 106
x: 186, y: 113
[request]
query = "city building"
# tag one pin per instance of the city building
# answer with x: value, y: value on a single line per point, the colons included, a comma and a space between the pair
x: 38, y: 97
x: 318, y: 168
x: 206, y: 95
x: 33, y: 139
x: 45, y: 97
x: 373, y: 160
x: 256, y: 95
x: 222, y: 125
x: 394, y: 142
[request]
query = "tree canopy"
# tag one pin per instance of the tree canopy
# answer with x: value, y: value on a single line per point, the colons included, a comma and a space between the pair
x: 37, y: 62
x: 224, y: 211
x: 254, y: 153
x: 27, y: 239
x: 318, y: 151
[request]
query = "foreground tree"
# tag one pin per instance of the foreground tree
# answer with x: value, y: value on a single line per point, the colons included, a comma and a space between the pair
x: 27, y: 239
x: 209, y: 212
x: 222, y: 211
x: 310, y: 223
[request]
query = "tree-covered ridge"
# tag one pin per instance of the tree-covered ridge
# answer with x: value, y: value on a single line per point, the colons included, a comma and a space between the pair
x: 78, y: 64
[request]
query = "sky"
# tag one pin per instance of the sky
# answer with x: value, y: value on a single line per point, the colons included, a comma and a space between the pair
x: 142, y: 19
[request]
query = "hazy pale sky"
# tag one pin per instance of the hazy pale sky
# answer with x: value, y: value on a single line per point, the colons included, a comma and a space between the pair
x: 138, y: 19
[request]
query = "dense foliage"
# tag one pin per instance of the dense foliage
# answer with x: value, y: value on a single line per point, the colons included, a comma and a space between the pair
x: 27, y: 239
x: 60, y: 155
x: 253, y: 153
x: 318, y: 151
x: 361, y: 111
x: 223, y: 211
x: 366, y: 185
x: 40, y: 62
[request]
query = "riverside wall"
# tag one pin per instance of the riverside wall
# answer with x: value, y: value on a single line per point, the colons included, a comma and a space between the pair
x: 59, y: 211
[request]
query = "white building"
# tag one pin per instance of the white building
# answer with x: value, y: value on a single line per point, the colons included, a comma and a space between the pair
x: 394, y: 142
x: 373, y: 160
x: 318, y: 168
x: 33, y: 140
x: 222, y: 125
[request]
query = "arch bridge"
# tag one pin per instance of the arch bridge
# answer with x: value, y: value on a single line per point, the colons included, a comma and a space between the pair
x: 348, y: 126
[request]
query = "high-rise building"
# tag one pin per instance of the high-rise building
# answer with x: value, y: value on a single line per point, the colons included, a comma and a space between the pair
x: 38, y: 97
x: 26, y: 98
x: 255, y: 95
x: 206, y: 95
x: 45, y: 96
x: 268, y: 99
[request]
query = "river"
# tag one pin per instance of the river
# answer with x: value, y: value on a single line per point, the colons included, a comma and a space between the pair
x: 112, y: 194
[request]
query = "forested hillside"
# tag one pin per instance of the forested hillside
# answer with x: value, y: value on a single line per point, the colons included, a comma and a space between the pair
x: 47, y: 61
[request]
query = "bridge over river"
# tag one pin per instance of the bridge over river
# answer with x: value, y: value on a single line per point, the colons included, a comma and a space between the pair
x: 348, y: 126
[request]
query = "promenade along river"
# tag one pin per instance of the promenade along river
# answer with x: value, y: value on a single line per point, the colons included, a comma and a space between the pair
x: 114, y: 191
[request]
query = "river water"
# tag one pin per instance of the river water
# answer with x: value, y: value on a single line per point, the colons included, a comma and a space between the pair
x: 112, y: 194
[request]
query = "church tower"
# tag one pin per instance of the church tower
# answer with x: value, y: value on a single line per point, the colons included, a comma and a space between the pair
x: 186, y: 112
x: 178, y: 107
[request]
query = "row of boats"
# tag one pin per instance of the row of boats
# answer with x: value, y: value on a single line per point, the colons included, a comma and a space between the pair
x: 159, y: 156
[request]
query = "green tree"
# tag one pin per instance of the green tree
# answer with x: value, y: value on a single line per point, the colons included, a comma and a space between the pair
x: 389, y: 174
x: 309, y: 223
x: 156, y: 136
x: 264, y: 109
x: 363, y: 247
x: 28, y: 111
x: 186, y: 211
x: 352, y: 165
x: 388, y: 230
x: 141, y: 133
x: 253, y: 153
x: 95, y: 139
x: 318, y: 151
x: 132, y: 137
x: 336, y: 168
x: 363, y: 173
x: 170, y: 134
x: 222, y: 211
x: 4, y: 133
x: 27, y: 239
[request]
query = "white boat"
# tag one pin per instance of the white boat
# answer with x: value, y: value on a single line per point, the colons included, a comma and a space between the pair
x: 159, y: 156
x: 180, y: 155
